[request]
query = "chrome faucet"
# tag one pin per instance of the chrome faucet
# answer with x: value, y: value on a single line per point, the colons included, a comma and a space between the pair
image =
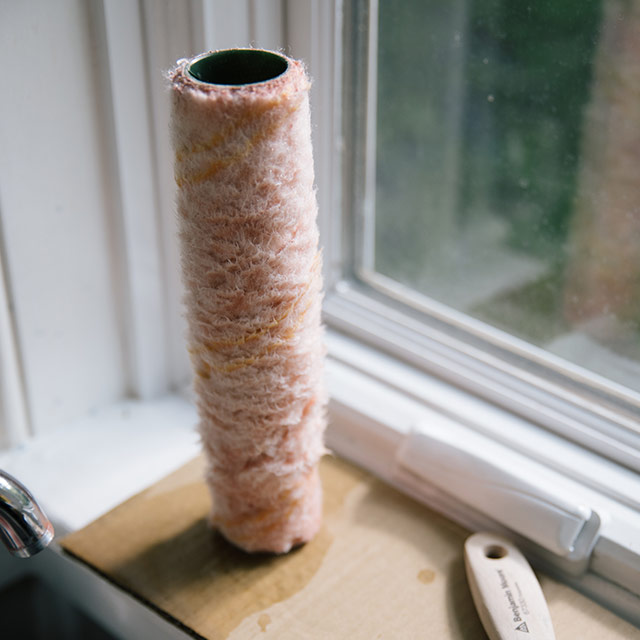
x: 24, y: 528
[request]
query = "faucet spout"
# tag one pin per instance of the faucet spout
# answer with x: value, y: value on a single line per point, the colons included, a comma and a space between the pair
x: 24, y: 528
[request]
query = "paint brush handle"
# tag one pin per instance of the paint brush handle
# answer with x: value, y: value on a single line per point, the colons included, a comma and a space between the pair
x: 506, y: 592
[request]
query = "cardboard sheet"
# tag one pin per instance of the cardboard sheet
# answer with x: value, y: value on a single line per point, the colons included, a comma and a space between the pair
x: 382, y: 566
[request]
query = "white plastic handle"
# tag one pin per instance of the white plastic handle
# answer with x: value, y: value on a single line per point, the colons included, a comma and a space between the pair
x: 506, y: 592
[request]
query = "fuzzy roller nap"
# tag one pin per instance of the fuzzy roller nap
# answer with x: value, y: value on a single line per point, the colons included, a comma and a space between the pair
x: 251, y: 268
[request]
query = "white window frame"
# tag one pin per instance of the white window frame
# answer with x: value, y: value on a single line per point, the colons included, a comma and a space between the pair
x: 563, y: 397
x: 390, y: 374
x: 384, y: 384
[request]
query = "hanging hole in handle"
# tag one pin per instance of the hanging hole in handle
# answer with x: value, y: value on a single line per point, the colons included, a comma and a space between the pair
x: 495, y: 552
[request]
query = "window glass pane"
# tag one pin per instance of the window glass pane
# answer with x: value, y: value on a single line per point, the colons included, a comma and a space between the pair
x: 506, y: 161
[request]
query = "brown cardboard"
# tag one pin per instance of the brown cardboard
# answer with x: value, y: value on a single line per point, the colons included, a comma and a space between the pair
x: 382, y: 566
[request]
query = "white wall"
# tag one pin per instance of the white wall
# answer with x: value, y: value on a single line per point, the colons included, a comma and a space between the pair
x: 57, y: 209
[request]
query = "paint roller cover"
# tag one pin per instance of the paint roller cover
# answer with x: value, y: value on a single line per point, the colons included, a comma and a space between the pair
x: 252, y: 273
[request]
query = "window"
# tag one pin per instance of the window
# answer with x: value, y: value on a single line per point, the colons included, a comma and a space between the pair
x: 502, y: 140
x: 483, y: 199
x: 483, y: 261
x: 460, y: 149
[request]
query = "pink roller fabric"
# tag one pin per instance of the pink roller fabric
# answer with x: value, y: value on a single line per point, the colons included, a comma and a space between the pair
x: 252, y: 273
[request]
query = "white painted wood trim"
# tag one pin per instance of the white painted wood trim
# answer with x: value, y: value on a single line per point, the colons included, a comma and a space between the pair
x: 172, y: 31
x: 14, y: 417
x: 268, y: 24
x: 145, y: 322
x: 226, y: 24
x: 314, y: 35
x: 370, y: 149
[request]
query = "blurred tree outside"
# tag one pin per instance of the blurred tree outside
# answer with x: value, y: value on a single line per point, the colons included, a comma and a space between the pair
x: 507, y: 154
x: 480, y: 109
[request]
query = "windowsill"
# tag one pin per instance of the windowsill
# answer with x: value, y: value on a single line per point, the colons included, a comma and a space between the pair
x: 98, y: 462
x: 84, y: 470
x: 382, y: 564
x: 422, y: 551
x: 92, y: 465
